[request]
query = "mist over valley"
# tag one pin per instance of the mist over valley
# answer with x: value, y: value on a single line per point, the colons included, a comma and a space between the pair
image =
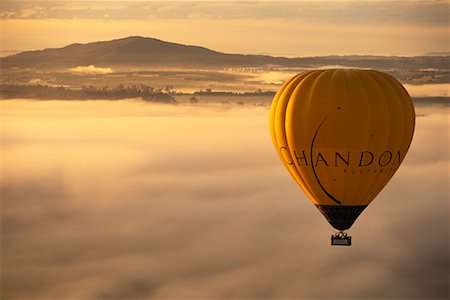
x: 176, y: 68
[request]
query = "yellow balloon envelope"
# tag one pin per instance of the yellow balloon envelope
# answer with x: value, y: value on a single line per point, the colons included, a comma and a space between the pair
x: 342, y: 134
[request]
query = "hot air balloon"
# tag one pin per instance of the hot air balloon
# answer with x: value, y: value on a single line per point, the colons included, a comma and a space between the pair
x: 342, y: 134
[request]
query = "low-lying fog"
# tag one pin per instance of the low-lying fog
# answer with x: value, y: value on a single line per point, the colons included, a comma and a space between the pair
x: 134, y: 200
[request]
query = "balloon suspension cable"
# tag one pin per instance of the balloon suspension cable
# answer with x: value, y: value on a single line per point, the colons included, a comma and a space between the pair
x: 341, y: 238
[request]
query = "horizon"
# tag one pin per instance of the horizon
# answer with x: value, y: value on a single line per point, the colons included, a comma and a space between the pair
x: 319, y: 28
x: 11, y: 52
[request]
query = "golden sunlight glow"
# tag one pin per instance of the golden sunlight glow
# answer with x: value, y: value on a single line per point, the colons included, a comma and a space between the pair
x: 275, y: 37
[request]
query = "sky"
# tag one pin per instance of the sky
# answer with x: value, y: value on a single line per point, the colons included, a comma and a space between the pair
x: 97, y: 203
x: 280, y: 28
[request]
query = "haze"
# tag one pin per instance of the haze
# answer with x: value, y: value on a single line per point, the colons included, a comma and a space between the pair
x: 292, y: 28
x: 134, y: 200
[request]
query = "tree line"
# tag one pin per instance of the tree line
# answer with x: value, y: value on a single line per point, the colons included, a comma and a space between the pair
x: 148, y: 93
x: 11, y: 91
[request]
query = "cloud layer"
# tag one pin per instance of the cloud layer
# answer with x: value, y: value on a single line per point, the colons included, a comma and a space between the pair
x: 90, y: 70
x: 430, y: 13
x: 128, y: 200
x: 287, y: 28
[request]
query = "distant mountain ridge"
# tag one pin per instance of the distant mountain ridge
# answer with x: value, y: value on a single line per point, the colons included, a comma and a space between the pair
x: 144, y: 52
x: 132, y: 51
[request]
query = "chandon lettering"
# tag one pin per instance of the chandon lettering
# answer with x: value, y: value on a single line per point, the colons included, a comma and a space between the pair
x: 347, y: 158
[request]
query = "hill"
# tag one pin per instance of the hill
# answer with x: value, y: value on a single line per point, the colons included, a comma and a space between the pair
x: 142, y: 52
x: 131, y: 52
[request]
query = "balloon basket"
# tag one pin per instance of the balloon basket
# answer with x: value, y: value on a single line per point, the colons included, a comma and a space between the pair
x: 341, y: 239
